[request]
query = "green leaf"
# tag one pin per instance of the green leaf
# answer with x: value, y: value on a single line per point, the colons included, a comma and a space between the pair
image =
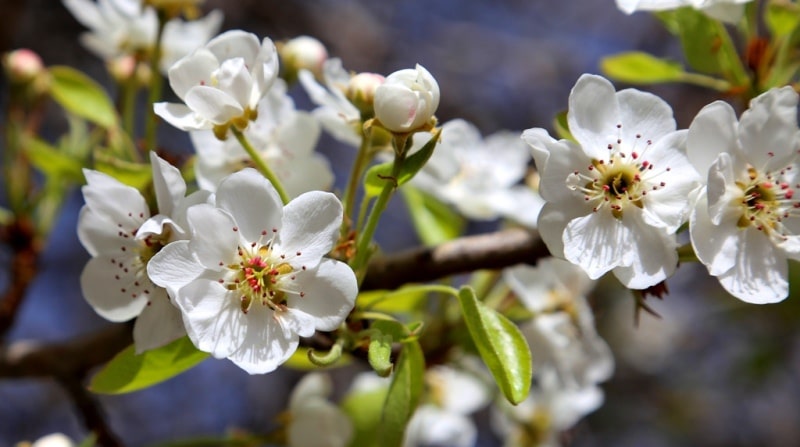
x: 138, y: 175
x: 53, y: 162
x: 637, y: 67
x: 706, y: 44
x: 82, y: 96
x: 434, y: 221
x: 380, y: 353
x: 299, y: 360
x: 500, y: 344
x: 782, y: 18
x: 128, y: 372
x: 378, y: 175
x: 404, y: 394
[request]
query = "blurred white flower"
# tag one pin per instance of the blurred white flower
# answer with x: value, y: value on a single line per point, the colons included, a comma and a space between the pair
x: 551, y: 408
x: 726, y: 10
x: 116, y: 228
x: 54, y: 440
x: 221, y: 83
x: 125, y: 27
x: 266, y: 282
x: 303, y: 53
x: 407, y: 99
x: 337, y: 115
x: 562, y: 334
x: 744, y: 226
x: 284, y: 137
x: 616, y: 197
x: 314, y: 421
x: 480, y: 176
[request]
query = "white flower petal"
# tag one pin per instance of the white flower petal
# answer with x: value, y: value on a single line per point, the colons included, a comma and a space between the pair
x: 713, y: 131
x: 253, y: 202
x: 716, y: 246
x: 215, y: 236
x: 553, y: 221
x: 760, y: 273
x: 213, y: 104
x: 593, y: 114
x: 655, y: 255
x: 597, y: 242
x: 213, y: 317
x: 555, y: 160
x: 234, y: 79
x: 768, y: 129
x: 159, y: 324
x: 192, y: 71
x: 181, y: 116
x: 264, y: 346
x: 643, y: 114
x: 173, y: 267
x: 114, y: 294
x: 235, y: 43
x: 310, y: 227
x: 168, y: 183
x: 329, y: 294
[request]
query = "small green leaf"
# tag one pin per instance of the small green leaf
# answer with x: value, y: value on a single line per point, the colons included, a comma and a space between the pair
x: 138, y: 175
x: 561, y: 126
x: 299, y: 360
x: 53, y: 162
x: 82, y: 96
x: 380, y: 354
x: 637, y: 67
x: 128, y: 372
x: 434, y: 221
x: 404, y: 394
x: 500, y: 344
x: 378, y: 175
x: 782, y: 18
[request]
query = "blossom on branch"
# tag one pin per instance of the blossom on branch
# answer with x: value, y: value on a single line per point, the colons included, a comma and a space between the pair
x: 407, y: 100
x: 745, y: 224
x: 221, y: 83
x: 265, y: 282
x: 116, y: 228
x: 615, y: 196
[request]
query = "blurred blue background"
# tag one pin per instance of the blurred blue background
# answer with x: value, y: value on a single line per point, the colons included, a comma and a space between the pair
x: 710, y: 372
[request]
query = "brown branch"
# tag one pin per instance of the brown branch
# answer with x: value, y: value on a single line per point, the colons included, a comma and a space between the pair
x: 486, y: 251
x: 21, y: 238
x: 91, y: 412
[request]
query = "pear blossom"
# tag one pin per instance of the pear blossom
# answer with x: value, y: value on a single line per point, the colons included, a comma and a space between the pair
x: 265, y: 282
x: 744, y: 226
x: 407, y: 100
x: 285, y: 139
x: 125, y: 27
x: 615, y: 196
x: 725, y: 10
x: 315, y: 421
x: 445, y: 420
x: 561, y: 335
x: 302, y: 53
x: 336, y: 113
x: 480, y: 176
x: 221, y: 83
x: 116, y: 228
x: 52, y: 440
x: 550, y: 408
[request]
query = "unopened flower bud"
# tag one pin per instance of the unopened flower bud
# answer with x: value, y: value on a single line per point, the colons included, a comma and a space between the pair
x: 361, y: 91
x: 121, y: 68
x: 22, y: 66
x: 407, y: 100
x: 302, y: 53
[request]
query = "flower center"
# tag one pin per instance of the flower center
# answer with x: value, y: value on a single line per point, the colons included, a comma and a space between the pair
x: 621, y: 180
x: 261, y: 275
x: 767, y: 200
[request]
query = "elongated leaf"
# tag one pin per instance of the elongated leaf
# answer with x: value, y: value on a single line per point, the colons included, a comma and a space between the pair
x: 138, y: 175
x: 53, y: 162
x: 378, y: 175
x: 82, y: 96
x: 434, y: 221
x: 403, y: 396
x: 128, y: 372
x: 500, y: 344
x: 637, y: 67
x: 782, y: 18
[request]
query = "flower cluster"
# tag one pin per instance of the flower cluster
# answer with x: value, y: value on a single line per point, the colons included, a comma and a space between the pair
x: 617, y: 195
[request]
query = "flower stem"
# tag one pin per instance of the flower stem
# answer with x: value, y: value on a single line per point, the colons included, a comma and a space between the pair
x: 359, y: 165
x: 156, y: 84
x: 129, y: 88
x: 261, y: 164
x: 365, y: 237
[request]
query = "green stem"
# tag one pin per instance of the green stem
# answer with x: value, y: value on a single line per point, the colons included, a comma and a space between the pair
x: 156, y: 84
x: 260, y: 164
x: 365, y: 237
x: 359, y: 165
x: 129, y: 89
x: 702, y: 80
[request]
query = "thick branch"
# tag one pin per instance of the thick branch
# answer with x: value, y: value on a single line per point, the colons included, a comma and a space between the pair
x: 20, y: 237
x: 486, y: 251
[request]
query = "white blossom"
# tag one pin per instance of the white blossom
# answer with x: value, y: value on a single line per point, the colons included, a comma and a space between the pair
x: 726, y: 10
x: 745, y: 226
x: 337, y: 115
x: 221, y: 83
x: 116, y: 228
x: 125, y: 27
x: 314, y: 421
x: 561, y: 335
x: 284, y: 137
x: 407, y: 99
x: 265, y: 281
x: 616, y: 196
x: 480, y: 176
